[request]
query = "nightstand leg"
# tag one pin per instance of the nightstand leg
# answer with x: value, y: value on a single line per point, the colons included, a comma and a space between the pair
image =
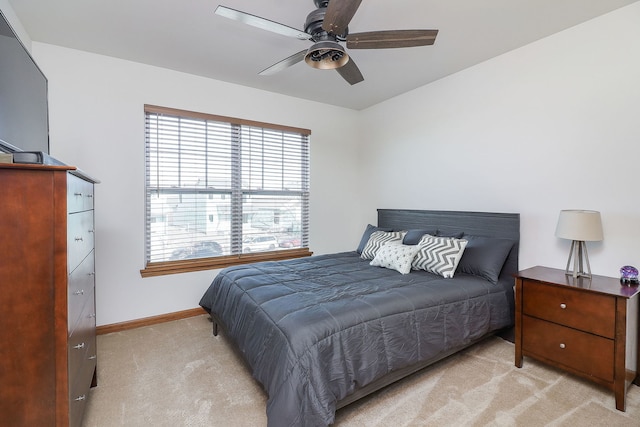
x: 620, y: 399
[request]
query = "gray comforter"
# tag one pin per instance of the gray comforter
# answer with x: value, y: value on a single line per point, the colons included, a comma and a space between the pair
x: 315, y: 329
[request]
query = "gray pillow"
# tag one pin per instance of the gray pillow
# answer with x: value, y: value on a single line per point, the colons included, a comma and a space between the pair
x: 454, y: 234
x: 367, y: 233
x: 485, y: 256
x: 413, y: 236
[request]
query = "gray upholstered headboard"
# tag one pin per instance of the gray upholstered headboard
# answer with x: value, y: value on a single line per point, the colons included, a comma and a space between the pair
x: 488, y: 224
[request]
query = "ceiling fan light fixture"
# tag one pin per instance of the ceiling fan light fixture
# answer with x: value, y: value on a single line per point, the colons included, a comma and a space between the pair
x: 326, y: 55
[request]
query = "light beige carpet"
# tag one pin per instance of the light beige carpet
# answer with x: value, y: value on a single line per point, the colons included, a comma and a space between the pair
x: 178, y: 374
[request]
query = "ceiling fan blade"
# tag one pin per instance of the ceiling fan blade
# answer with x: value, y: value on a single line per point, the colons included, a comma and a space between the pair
x: 338, y: 15
x: 391, y: 39
x: 262, y: 23
x: 350, y: 72
x: 285, y: 63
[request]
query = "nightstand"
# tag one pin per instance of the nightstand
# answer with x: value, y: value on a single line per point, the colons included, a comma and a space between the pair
x: 588, y: 327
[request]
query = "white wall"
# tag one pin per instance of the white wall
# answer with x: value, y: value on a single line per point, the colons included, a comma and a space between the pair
x: 553, y: 125
x: 97, y: 123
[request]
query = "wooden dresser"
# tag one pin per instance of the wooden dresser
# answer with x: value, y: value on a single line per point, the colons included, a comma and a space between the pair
x: 588, y: 327
x: 47, y: 296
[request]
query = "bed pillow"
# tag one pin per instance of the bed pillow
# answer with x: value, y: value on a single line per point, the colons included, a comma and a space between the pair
x: 413, y: 236
x: 396, y: 256
x: 439, y: 255
x: 485, y: 256
x: 454, y: 234
x: 367, y: 233
x: 379, y: 238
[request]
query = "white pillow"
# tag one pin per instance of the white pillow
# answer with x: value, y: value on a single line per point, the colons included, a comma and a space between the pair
x: 396, y: 256
x: 379, y: 238
x: 439, y: 255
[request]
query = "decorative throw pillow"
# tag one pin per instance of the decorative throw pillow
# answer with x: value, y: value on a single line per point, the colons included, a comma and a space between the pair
x: 439, y: 255
x: 367, y: 233
x: 485, y: 256
x: 395, y: 256
x: 379, y: 238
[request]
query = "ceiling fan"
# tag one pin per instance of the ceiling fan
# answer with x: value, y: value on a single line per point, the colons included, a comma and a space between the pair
x: 325, y: 27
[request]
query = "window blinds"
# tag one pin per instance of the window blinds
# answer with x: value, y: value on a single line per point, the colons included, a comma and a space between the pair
x: 217, y: 186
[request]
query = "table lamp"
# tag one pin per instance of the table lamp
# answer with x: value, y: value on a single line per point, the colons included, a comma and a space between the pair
x: 579, y: 226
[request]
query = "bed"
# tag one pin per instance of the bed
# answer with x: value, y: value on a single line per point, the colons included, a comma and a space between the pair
x: 321, y: 332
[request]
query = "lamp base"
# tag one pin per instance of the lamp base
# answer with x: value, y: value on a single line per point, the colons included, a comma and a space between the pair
x: 580, y: 257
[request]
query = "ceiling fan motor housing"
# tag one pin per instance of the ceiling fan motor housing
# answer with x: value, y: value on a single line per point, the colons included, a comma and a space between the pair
x: 313, y: 27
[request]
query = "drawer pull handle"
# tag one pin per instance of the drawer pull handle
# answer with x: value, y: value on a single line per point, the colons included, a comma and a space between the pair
x: 78, y: 239
x: 89, y: 195
x: 93, y: 273
x: 562, y: 345
x: 78, y: 346
x: 80, y: 398
x: 91, y: 316
x: 91, y: 230
x: 80, y: 292
x: 92, y: 357
x: 563, y: 306
x: 77, y: 194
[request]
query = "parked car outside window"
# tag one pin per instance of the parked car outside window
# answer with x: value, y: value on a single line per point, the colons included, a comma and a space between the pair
x: 203, y: 249
x: 259, y: 243
x: 289, y: 242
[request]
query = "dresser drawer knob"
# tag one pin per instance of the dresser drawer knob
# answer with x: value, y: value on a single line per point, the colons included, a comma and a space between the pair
x: 563, y: 306
x: 562, y: 345
x: 80, y: 398
x: 78, y: 239
x: 78, y: 346
x: 80, y: 292
x: 90, y: 195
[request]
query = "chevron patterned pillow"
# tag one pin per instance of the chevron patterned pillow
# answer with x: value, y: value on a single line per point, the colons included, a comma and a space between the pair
x: 379, y: 238
x: 395, y: 256
x: 439, y: 255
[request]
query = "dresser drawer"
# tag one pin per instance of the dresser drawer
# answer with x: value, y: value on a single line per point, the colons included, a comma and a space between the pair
x: 589, y: 312
x: 581, y: 351
x: 81, y: 289
x: 82, y: 338
x: 79, y: 385
x: 79, y: 194
x: 80, y: 239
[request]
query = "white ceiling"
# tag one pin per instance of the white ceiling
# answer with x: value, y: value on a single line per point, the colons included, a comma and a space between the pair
x: 186, y: 35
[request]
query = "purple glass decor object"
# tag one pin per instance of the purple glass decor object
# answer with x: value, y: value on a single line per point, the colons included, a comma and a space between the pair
x: 629, y: 275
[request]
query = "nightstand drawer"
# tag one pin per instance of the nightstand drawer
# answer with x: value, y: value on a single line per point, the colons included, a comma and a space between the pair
x: 587, y: 353
x: 589, y: 312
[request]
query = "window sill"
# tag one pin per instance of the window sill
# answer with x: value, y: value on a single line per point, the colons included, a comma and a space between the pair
x: 186, y: 266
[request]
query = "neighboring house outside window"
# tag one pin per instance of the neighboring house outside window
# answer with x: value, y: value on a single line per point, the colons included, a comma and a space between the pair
x: 222, y: 191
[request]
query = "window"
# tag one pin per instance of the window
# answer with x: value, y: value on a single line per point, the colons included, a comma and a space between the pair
x: 222, y: 191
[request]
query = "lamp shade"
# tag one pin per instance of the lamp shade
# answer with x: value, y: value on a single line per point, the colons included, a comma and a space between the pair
x: 579, y: 225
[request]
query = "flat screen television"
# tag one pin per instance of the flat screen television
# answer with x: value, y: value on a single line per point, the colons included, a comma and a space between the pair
x: 24, y: 110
